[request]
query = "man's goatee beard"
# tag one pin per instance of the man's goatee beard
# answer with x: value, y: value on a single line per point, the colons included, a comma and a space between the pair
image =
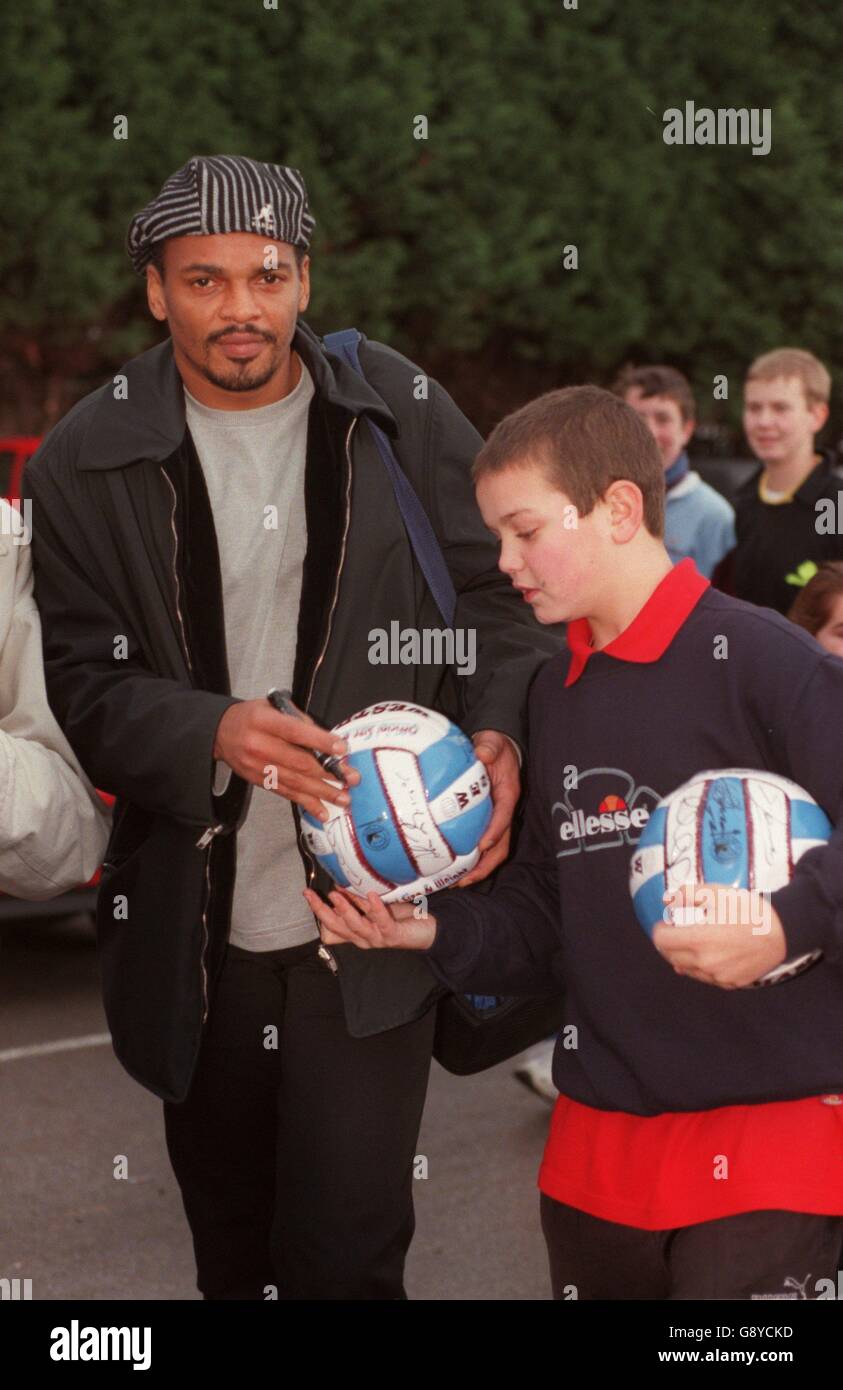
x: 241, y: 381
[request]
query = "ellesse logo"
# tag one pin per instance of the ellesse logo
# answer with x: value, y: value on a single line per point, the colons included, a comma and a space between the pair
x: 603, y: 811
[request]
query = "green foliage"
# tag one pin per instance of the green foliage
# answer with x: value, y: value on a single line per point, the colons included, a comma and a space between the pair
x: 545, y: 130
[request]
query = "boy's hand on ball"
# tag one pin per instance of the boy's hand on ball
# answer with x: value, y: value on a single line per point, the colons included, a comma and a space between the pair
x: 722, y: 936
x: 495, y: 751
x: 369, y: 921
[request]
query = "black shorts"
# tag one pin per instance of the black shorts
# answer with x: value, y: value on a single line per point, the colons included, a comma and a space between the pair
x: 754, y: 1255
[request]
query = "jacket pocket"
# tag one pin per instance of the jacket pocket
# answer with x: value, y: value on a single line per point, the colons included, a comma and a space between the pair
x: 130, y: 831
x: 122, y: 869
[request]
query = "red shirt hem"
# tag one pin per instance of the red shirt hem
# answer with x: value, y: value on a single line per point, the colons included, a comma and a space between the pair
x: 678, y: 1169
x: 735, y: 1201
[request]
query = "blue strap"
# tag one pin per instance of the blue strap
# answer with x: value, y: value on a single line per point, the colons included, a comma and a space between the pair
x: 344, y: 344
x: 426, y: 548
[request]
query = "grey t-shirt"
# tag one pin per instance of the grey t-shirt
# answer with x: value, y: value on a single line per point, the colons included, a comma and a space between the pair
x: 253, y: 462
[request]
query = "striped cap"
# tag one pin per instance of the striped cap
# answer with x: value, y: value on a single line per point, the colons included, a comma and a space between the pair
x: 223, y: 193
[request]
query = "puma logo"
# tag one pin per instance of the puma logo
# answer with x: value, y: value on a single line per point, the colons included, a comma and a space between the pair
x: 791, y: 1283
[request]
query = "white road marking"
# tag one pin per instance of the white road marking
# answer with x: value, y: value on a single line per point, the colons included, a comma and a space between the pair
x: 13, y: 1054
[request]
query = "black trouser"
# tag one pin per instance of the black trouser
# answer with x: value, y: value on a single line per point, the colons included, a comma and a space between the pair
x: 296, y: 1162
x: 757, y: 1254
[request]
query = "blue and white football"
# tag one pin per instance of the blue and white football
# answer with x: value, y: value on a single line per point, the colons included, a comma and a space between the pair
x: 741, y: 827
x: 418, y: 812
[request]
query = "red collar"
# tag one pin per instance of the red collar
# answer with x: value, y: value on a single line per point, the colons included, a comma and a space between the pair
x: 652, y: 629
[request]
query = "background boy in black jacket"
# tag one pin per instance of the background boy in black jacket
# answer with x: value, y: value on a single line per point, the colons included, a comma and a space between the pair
x: 789, y: 513
x: 695, y: 1150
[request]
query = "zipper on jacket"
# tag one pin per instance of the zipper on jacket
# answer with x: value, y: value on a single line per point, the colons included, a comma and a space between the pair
x: 212, y: 830
x: 323, y: 951
x: 341, y: 563
x: 326, y: 956
x: 203, y: 952
x: 208, y: 834
x: 176, y: 570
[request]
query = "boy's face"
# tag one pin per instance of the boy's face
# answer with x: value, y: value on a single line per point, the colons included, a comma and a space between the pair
x: 778, y: 420
x: 552, y: 555
x: 663, y: 418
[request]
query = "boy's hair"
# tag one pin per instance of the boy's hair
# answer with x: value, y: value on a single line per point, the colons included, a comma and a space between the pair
x: 812, y: 607
x: 585, y: 438
x: 659, y: 381
x: 789, y: 362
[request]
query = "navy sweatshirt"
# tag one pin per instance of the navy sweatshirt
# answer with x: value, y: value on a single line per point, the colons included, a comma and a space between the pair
x: 560, y: 914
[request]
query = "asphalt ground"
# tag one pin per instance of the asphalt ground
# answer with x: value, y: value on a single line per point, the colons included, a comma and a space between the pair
x: 77, y: 1232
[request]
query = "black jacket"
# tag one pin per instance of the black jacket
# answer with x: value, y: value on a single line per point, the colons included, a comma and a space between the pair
x: 772, y: 541
x: 128, y: 583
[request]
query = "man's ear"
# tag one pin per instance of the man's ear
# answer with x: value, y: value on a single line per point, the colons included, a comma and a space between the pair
x: 155, y: 294
x: 820, y: 412
x: 687, y: 430
x: 304, y: 291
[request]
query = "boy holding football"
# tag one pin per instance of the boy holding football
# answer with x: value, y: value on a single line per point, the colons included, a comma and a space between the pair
x: 696, y: 1149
